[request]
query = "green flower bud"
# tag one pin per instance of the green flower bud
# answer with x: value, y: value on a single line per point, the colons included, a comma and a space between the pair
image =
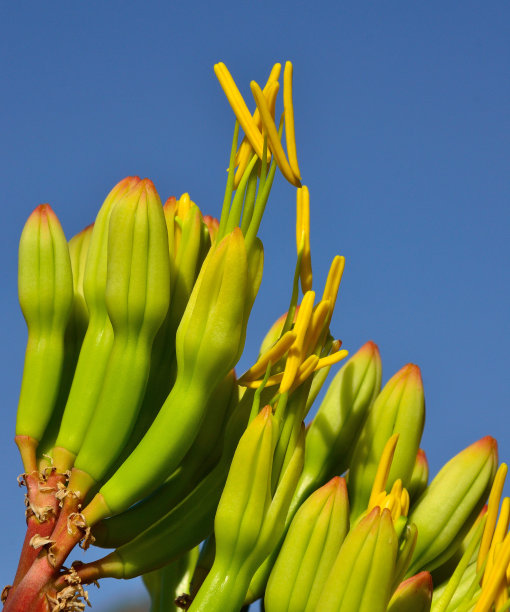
x: 399, y: 408
x: 309, y: 550
x: 211, y: 335
x: 45, y: 287
x: 73, y: 339
x: 137, y: 296
x: 449, y: 506
x: 413, y: 595
x: 334, y: 430
x: 362, y: 575
x: 98, y: 340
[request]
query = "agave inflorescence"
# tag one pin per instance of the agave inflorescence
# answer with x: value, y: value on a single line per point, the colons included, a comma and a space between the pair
x: 136, y: 434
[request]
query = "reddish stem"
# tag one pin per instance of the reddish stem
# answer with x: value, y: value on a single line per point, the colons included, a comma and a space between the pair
x: 39, y: 581
x: 42, y: 514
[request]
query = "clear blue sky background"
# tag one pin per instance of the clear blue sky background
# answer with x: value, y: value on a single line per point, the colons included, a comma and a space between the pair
x: 402, y: 113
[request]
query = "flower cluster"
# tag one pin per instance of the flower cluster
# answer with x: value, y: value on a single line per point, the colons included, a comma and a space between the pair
x: 137, y: 435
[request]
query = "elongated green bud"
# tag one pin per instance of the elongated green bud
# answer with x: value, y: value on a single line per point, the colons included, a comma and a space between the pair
x: 335, y: 428
x: 309, y: 550
x: 45, y: 287
x: 413, y: 595
x: 188, y: 251
x: 362, y: 574
x: 399, y: 408
x: 97, y: 343
x: 74, y: 334
x: 449, y: 506
x: 199, y: 460
x: 420, y: 476
x: 209, y: 341
x: 211, y: 334
x: 137, y: 297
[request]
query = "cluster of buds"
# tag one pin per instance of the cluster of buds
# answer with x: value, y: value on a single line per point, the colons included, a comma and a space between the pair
x: 137, y: 435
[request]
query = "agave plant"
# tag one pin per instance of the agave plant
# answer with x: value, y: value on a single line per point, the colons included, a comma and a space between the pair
x: 137, y: 434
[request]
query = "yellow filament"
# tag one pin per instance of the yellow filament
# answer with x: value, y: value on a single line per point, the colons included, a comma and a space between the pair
x: 274, y: 354
x: 295, y: 356
x: 240, y: 109
x: 303, y: 236
x: 492, y: 513
x: 496, y: 579
x: 288, y: 108
x: 383, y: 469
x: 272, y: 135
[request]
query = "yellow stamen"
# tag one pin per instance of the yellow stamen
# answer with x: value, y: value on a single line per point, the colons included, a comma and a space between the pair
x: 303, y: 237
x: 245, y: 148
x: 396, y: 501
x: 330, y: 360
x: 492, y: 513
x: 383, y: 469
x: 310, y: 365
x: 295, y: 356
x: 272, y: 135
x: 319, y: 316
x: 498, y: 537
x: 240, y: 109
x: 274, y: 354
x: 333, y: 281
x: 246, y: 153
x: 184, y: 205
x: 288, y: 108
x: 305, y: 370
x: 496, y: 578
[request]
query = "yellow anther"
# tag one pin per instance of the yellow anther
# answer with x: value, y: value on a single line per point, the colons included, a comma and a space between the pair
x: 335, y: 273
x: 319, y: 316
x: 240, y: 109
x: 288, y: 108
x: 246, y: 152
x: 397, y: 501
x: 496, y: 578
x: 296, y: 356
x: 492, y: 513
x: 274, y: 354
x: 303, y: 237
x: 245, y: 148
x: 310, y: 365
x: 305, y: 370
x: 326, y: 362
x: 272, y: 135
x: 383, y: 469
x: 184, y: 205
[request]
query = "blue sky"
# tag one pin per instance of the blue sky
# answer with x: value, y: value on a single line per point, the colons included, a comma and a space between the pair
x: 402, y: 124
